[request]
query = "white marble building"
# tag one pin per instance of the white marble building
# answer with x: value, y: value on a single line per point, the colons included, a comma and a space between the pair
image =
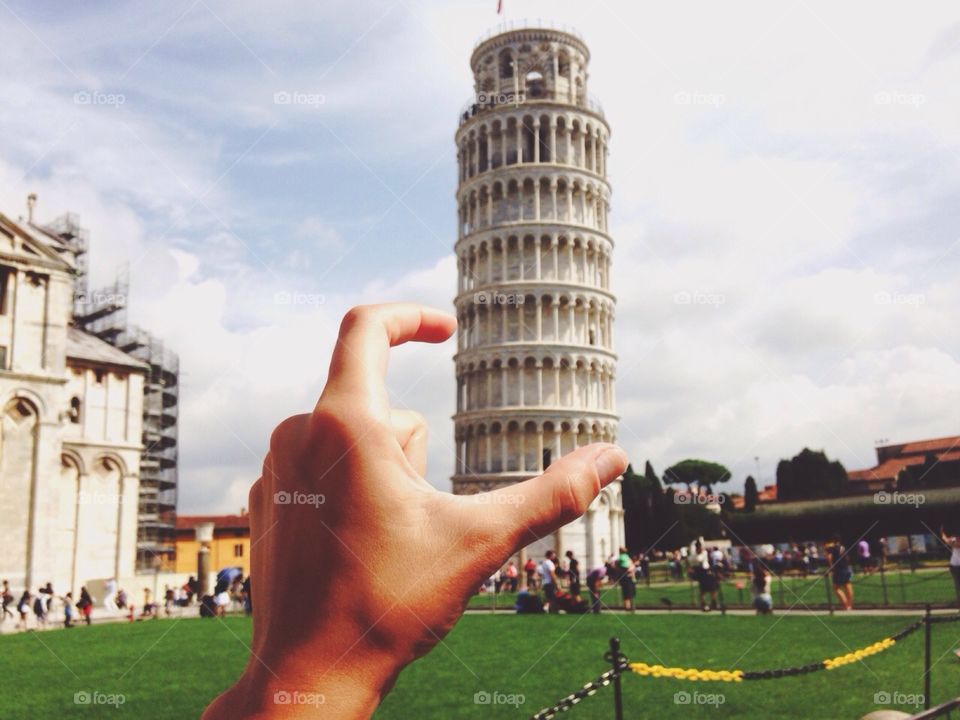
x: 535, y: 361
x: 70, y: 430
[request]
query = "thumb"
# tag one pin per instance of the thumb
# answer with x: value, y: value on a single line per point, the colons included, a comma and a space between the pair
x: 527, y: 511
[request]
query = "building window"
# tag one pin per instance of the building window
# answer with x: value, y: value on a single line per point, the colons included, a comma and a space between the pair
x: 3, y: 357
x: 5, y: 274
x: 75, y: 410
x: 98, y: 376
x: 546, y: 458
x: 238, y: 550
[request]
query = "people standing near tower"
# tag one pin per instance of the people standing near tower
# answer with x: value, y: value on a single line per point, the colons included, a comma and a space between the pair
x: 573, y: 568
x: 841, y: 572
x: 548, y: 579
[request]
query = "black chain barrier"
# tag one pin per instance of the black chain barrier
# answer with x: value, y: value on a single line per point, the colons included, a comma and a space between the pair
x: 620, y: 663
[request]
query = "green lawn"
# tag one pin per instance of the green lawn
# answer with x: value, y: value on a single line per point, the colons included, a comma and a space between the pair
x: 924, y: 586
x: 171, y: 669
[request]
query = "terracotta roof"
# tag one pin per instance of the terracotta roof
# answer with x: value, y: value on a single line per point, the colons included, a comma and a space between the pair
x: 923, y: 446
x: 887, y: 470
x: 83, y: 346
x: 768, y: 494
x: 187, y: 522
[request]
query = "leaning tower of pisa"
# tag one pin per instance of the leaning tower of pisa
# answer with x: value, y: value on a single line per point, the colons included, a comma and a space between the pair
x: 535, y: 361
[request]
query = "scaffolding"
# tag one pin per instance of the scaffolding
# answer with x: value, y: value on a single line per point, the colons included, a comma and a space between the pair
x: 104, y: 313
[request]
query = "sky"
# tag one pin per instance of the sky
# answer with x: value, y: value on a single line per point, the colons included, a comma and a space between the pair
x: 785, y: 180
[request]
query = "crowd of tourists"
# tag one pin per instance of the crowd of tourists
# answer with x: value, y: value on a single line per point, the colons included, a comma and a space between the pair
x: 553, y: 584
x: 46, y: 608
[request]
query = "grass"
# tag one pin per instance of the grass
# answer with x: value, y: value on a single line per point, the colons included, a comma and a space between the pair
x: 925, y: 586
x: 172, y: 669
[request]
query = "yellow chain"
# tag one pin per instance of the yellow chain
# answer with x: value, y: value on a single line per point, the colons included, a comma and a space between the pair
x: 852, y: 657
x: 658, y: 671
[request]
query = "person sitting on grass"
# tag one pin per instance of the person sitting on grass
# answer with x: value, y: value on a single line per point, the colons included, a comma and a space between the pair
x: 348, y: 641
x: 594, y: 580
x: 841, y: 573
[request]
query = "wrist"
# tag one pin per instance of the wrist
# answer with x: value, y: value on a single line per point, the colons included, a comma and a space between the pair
x: 347, y: 685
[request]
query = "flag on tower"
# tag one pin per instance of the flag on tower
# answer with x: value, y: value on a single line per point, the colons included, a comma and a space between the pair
x: 499, y: 6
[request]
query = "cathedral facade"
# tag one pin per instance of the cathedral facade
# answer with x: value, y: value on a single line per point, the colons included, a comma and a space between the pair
x: 535, y: 362
x: 70, y: 428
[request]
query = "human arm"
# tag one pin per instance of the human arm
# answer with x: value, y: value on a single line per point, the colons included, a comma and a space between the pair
x: 368, y: 515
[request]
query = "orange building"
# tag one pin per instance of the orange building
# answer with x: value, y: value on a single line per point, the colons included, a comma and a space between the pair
x: 230, y: 546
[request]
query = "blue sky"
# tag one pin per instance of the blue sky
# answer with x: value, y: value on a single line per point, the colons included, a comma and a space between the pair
x: 791, y: 166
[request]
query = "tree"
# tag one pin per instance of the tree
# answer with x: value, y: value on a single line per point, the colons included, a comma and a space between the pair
x: 700, y: 472
x: 750, y: 494
x: 809, y: 475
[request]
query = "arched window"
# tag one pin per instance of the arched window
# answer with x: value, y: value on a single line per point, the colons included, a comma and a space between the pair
x: 75, y: 410
x: 506, y: 64
x: 534, y: 84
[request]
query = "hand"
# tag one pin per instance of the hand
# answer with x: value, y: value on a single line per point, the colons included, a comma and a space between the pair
x: 359, y: 566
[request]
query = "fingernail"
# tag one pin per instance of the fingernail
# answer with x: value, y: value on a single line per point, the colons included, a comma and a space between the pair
x: 610, y: 463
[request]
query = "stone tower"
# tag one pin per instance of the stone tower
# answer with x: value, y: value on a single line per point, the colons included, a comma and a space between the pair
x: 535, y: 361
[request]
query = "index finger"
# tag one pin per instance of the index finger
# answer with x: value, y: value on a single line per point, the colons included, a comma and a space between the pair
x: 358, y: 367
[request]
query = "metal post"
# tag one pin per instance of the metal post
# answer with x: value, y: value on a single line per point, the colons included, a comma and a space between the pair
x: 903, y: 591
x: 782, y: 602
x: 723, y: 603
x: 926, y: 659
x: 883, y: 584
x: 615, y: 660
x: 826, y: 582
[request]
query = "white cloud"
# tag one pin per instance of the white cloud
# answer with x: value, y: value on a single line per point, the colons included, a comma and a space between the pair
x: 820, y: 219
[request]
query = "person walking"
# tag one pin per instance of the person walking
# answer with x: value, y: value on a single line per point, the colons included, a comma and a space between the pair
x: 863, y: 557
x: 547, y: 569
x: 841, y: 573
x: 953, y: 542
x: 628, y: 585
x: 40, y: 610
x: 23, y: 607
x: 85, y: 605
x: 68, y: 610
x: 760, y: 588
x: 706, y: 580
x: 110, y: 598
x: 7, y: 598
